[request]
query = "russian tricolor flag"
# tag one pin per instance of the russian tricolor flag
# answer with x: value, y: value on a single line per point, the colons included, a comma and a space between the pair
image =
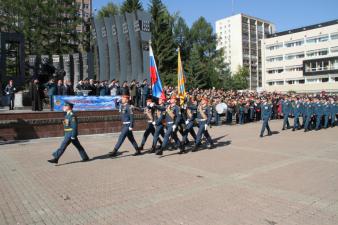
x: 156, y: 84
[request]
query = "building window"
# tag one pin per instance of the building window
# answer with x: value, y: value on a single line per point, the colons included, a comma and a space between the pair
x: 311, y: 81
x: 295, y: 43
x: 313, y: 40
x: 298, y: 55
x: 275, y: 71
x: 334, y: 50
x: 325, y: 80
x: 294, y: 68
x: 279, y: 82
x: 334, y: 36
x: 336, y: 79
x: 301, y: 81
x: 271, y: 83
x: 318, y: 52
x: 291, y: 82
x: 274, y: 58
x: 274, y: 47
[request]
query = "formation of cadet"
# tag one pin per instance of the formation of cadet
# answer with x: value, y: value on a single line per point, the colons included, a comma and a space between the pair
x: 309, y: 113
x: 167, y: 118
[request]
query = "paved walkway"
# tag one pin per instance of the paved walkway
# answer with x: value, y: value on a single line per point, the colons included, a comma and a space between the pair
x: 290, y: 178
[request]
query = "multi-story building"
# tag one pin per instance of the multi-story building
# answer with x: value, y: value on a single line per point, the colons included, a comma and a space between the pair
x: 303, y: 60
x: 239, y: 36
x: 85, y: 13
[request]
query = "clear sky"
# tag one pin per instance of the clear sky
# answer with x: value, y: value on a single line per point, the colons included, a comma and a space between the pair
x: 285, y: 14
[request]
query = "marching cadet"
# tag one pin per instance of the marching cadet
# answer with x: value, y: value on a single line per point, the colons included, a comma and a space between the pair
x: 266, y: 110
x: 159, y: 122
x: 204, y: 118
x: 297, y: 110
x: 172, y: 118
x: 308, y: 113
x: 127, y: 119
x: 71, y: 132
x: 318, y: 110
x: 327, y: 113
x: 190, y: 120
x: 149, y: 112
x: 333, y: 111
x: 286, y: 109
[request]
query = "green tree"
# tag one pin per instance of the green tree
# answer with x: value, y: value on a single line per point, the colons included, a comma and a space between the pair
x: 163, y: 42
x: 131, y: 6
x: 110, y: 9
x: 196, y: 71
x: 49, y: 26
x: 240, y: 79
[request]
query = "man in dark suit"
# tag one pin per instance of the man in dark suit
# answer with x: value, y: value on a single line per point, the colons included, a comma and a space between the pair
x: 10, y: 93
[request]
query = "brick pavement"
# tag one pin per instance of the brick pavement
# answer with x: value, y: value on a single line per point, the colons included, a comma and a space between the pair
x: 289, y: 178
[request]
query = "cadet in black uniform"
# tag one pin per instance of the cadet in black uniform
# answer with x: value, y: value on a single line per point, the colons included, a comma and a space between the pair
x: 204, y: 118
x: 70, y: 129
x: 127, y: 119
x: 149, y: 112
x: 172, y: 118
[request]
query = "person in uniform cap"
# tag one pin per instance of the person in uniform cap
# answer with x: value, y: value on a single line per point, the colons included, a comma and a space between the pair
x: 308, y: 113
x: 149, y: 112
x: 159, y: 122
x: 297, y: 112
x: 191, y: 113
x: 204, y: 118
x: 172, y: 118
x: 71, y: 131
x: 286, y: 109
x: 266, y: 115
x: 127, y: 119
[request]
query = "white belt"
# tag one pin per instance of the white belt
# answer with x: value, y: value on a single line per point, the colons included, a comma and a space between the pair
x: 170, y: 122
x: 202, y: 120
x: 150, y: 121
x: 126, y: 122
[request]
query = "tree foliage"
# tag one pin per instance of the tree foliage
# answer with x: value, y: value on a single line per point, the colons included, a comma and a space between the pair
x: 111, y: 9
x: 131, y: 6
x: 49, y: 26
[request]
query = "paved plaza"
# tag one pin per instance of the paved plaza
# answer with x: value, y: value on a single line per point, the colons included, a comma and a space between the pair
x: 290, y: 178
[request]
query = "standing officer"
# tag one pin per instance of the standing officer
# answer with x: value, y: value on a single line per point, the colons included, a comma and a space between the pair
x: 10, y: 92
x: 127, y: 119
x: 172, y: 118
x: 286, y: 109
x: 266, y: 110
x: 70, y: 129
x: 149, y: 112
x: 204, y: 118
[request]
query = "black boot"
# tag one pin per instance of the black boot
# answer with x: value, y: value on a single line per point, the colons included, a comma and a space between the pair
x: 159, y: 152
x: 270, y: 133
x: 195, y: 148
x: 211, y: 146
x: 182, y: 149
x: 141, y: 147
x: 53, y: 161
x: 153, y: 149
x: 113, y: 153
x: 138, y: 152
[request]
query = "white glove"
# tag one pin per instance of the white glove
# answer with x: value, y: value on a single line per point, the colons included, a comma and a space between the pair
x: 152, y: 104
x: 174, y: 127
x: 205, y: 126
x: 14, y: 89
x: 130, y: 128
x: 7, y: 93
x: 154, y: 123
x: 73, y: 138
x: 187, y: 122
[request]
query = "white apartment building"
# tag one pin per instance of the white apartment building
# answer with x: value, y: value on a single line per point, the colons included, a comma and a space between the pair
x: 304, y: 60
x: 239, y: 36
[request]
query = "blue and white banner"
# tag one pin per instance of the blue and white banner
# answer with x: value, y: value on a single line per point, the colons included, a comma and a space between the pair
x: 87, y: 103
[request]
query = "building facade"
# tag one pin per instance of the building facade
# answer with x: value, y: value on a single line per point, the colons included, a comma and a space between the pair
x: 303, y: 60
x: 239, y: 36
